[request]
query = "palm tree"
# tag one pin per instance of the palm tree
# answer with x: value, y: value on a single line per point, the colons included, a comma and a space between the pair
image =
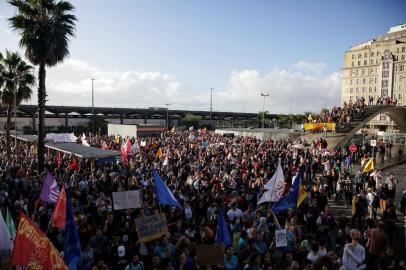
x: 15, y: 77
x: 45, y: 27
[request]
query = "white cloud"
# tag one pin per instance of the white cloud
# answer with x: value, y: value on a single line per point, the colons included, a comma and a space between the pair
x: 315, y: 68
x: 70, y: 84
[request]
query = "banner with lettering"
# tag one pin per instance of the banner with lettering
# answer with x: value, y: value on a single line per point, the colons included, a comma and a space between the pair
x: 33, y: 250
x: 126, y: 199
x: 319, y: 126
x: 151, y: 227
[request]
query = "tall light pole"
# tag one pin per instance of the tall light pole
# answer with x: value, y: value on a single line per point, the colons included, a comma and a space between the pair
x: 211, y: 105
x: 263, y: 113
x: 167, y: 115
x: 93, y: 106
x: 14, y: 81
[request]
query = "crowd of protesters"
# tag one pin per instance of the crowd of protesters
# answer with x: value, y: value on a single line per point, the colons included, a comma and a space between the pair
x: 207, y: 172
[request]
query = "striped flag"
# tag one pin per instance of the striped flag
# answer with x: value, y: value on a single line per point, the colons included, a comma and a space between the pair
x: 50, y: 190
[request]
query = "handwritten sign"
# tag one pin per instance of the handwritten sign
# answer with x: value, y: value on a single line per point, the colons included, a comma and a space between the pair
x: 126, y: 199
x: 151, y: 227
x: 281, y: 240
x: 209, y: 254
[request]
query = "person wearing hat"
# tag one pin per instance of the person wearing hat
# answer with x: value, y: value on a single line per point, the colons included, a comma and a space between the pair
x: 122, y: 259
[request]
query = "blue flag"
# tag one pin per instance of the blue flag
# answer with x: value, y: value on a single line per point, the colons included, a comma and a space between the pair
x: 290, y: 200
x: 222, y: 233
x: 163, y: 193
x: 73, y: 253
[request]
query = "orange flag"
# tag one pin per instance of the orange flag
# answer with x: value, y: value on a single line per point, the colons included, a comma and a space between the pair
x: 33, y: 250
x: 59, y: 216
x: 159, y: 154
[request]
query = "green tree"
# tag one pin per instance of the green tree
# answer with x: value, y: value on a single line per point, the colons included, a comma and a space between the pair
x: 16, y: 80
x: 45, y: 27
x: 100, y: 124
x: 191, y: 120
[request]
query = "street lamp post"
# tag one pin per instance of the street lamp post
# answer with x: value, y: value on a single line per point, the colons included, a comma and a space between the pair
x: 167, y: 115
x: 263, y: 113
x: 14, y: 81
x: 93, y: 106
x: 211, y: 106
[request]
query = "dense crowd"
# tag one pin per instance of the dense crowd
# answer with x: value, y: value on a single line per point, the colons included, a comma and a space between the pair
x: 207, y: 172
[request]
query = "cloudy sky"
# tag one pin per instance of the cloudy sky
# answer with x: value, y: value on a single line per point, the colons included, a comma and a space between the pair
x: 146, y: 53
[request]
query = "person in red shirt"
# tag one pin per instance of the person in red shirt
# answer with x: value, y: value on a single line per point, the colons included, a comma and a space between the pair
x: 377, y: 243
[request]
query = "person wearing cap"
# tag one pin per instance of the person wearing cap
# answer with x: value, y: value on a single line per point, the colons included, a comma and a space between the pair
x: 122, y: 258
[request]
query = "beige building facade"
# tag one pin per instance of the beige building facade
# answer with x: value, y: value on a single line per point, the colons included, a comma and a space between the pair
x: 377, y: 68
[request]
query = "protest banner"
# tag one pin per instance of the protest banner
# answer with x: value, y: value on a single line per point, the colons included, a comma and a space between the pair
x: 151, y: 227
x: 126, y: 199
x: 209, y: 254
x: 319, y: 126
x: 281, y: 240
x: 33, y: 249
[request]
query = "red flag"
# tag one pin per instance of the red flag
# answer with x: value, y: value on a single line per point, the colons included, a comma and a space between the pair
x: 74, y: 165
x: 58, y: 159
x: 125, y: 151
x: 105, y: 146
x: 59, y: 216
x: 33, y: 250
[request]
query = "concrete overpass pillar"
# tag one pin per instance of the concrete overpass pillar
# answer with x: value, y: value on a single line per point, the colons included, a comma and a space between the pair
x: 34, y: 124
x: 145, y: 120
x: 66, y: 122
x: 121, y: 119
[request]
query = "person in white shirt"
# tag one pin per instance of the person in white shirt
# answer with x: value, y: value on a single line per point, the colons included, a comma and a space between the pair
x: 354, y: 253
x: 234, y: 212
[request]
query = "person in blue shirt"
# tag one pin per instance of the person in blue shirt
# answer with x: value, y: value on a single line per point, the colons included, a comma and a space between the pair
x: 165, y: 250
x: 230, y: 260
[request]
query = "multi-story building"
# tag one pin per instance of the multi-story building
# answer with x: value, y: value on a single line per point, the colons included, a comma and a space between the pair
x: 377, y: 68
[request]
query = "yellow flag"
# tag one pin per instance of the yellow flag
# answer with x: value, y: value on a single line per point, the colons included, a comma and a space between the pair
x: 159, y: 153
x: 117, y: 139
x: 302, y: 195
x: 369, y: 166
x: 173, y: 130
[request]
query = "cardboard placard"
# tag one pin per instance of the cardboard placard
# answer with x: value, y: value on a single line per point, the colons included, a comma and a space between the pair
x: 280, y: 238
x: 126, y: 199
x: 151, y: 227
x: 209, y: 254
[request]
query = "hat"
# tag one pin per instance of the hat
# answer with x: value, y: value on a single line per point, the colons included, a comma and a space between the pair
x: 125, y: 238
x: 121, y: 251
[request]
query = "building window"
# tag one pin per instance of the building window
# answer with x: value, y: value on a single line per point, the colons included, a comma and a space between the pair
x: 403, y: 57
x: 365, y: 62
x: 359, y: 56
x: 384, y: 83
x: 385, y: 74
x: 351, y: 82
x: 372, y: 54
x: 364, y: 81
x: 375, y: 89
x: 403, y: 49
x: 372, y: 61
x: 356, y: 89
x: 401, y: 67
x: 382, y: 117
x: 351, y: 90
x: 357, y: 81
x: 371, y: 80
x: 370, y: 89
x: 400, y: 97
x: 359, y: 63
x: 352, y: 56
x: 365, y: 54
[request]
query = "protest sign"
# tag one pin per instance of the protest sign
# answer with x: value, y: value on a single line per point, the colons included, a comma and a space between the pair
x: 126, y: 199
x: 209, y: 254
x: 280, y: 236
x: 151, y: 227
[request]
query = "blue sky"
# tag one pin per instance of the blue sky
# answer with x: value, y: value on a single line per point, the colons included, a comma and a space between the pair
x: 148, y: 53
